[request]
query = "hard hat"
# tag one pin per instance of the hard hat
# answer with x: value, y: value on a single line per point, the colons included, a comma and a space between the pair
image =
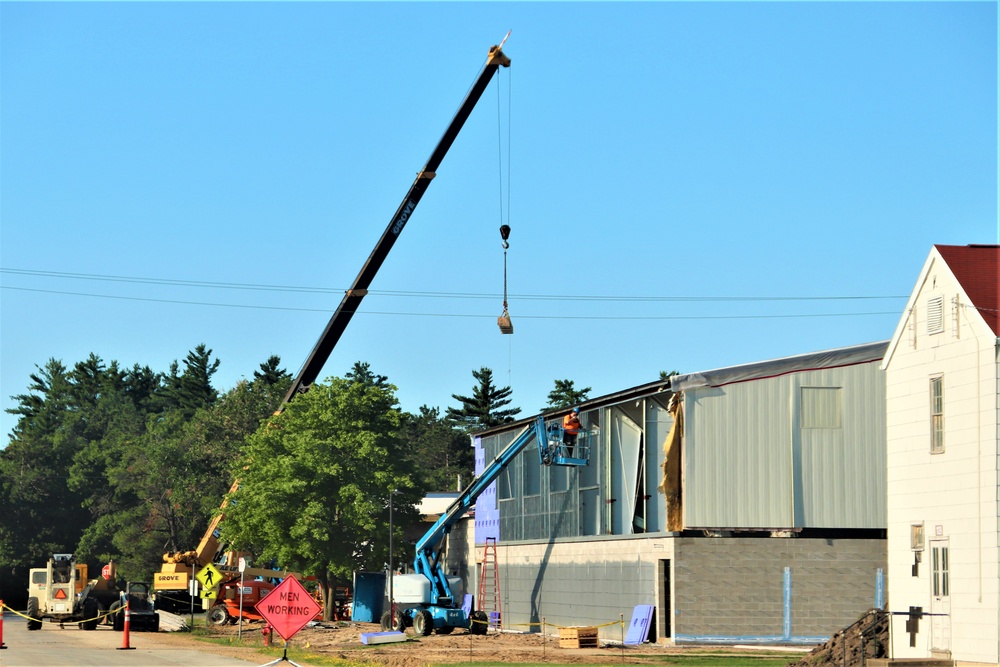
x: 576, y: 409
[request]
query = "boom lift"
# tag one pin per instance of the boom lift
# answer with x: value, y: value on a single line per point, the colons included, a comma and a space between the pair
x: 177, y: 566
x: 426, y: 599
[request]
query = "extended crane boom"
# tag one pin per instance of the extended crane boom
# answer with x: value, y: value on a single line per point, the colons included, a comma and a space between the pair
x: 174, y: 573
x: 359, y: 289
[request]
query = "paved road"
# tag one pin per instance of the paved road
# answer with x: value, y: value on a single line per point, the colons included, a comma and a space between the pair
x: 72, y: 647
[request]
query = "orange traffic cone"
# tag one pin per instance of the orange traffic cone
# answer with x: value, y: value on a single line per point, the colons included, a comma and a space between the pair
x: 125, y: 645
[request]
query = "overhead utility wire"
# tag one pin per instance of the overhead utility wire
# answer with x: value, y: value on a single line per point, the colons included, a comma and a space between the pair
x: 426, y: 314
x: 428, y: 294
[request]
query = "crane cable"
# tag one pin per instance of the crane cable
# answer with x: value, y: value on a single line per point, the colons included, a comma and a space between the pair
x: 506, y: 327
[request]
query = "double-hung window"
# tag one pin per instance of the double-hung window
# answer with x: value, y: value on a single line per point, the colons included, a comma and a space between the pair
x: 937, y: 414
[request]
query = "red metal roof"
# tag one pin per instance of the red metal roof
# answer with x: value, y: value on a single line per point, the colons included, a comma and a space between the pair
x: 977, y: 268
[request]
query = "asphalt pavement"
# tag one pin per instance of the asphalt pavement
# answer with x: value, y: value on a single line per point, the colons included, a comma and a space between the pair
x: 53, y: 646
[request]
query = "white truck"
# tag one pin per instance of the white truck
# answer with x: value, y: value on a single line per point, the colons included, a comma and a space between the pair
x: 61, y: 593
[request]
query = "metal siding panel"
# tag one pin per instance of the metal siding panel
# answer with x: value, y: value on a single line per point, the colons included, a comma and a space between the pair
x: 737, y: 470
x: 843, y: 470
x: 658, y: 422
x: 626, y: 436
x: 749, y: 464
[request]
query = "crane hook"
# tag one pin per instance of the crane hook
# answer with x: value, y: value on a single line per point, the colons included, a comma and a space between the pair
x: 504, y: 320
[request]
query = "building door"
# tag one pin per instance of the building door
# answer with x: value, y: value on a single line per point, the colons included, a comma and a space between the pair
x: 940, y: 597
x: 666, y: 608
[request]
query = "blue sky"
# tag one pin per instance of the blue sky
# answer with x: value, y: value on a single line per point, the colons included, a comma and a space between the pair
x: 689, y: 185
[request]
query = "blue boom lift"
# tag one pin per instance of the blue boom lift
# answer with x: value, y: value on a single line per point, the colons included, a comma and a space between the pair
x: 425, y: 599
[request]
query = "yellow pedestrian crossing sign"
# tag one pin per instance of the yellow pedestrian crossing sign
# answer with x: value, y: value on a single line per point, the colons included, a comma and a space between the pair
x: 209, y: 576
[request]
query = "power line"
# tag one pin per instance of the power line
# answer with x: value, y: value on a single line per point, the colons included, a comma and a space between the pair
x: 455, y: 315
x: 431, y: 294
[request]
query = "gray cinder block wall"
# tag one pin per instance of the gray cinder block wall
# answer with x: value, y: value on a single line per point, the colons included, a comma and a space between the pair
x: 737, y: 588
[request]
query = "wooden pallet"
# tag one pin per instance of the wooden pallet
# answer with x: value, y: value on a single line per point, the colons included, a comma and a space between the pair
x: 579, y: 637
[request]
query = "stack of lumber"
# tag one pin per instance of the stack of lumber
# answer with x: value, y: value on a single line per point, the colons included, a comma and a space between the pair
x: 578, y: 637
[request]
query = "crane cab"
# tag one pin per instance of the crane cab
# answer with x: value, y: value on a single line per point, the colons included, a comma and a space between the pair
x: 555, y: 450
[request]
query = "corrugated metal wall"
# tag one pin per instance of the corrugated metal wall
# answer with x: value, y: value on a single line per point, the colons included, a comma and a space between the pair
x: 749, y: 461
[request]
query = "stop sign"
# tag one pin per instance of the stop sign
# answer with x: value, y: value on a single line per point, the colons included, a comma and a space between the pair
x: 288, y: 608
x: 106, y: 571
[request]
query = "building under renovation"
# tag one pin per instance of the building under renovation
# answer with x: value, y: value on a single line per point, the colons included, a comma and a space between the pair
x: 745, y: 504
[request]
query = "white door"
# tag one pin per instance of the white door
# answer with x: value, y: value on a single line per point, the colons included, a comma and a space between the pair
x: 626, y: 437
x: 940, y: 600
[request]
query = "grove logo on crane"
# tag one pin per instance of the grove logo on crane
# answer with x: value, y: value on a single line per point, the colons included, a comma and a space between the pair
x: 404, y: 215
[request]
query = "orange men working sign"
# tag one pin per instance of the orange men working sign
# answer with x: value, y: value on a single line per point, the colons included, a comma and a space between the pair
x: 288, y: 608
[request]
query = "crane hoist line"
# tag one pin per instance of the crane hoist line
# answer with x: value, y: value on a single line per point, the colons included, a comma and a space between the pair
x: 359, y: 288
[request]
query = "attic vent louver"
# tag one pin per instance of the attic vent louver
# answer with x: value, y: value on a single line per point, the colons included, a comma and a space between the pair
x: 935, y: 314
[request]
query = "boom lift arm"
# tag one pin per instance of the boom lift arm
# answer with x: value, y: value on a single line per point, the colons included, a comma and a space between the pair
x: 359, y: 289
x: 428, y: 552
x: 427, y: 597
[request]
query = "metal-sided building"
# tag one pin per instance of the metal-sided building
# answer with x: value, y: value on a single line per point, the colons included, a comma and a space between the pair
x: 746, y: 504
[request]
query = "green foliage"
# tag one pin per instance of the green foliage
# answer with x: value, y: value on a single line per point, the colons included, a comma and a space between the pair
x: 440, y: 453
x: 362, y: 372
x: 42, y: 514
x: 270, y: 373
x: 315, y: 482
x: 565, y: 395
x: 192, y: 389
x: 109, y: 462
x: 486, y: 407
x: 124, y: 464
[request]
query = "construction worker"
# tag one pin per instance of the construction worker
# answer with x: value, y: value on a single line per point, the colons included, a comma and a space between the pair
x: 571, y: 428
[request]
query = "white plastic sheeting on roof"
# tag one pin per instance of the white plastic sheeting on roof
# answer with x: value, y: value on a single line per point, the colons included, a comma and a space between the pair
x: 844, y: 356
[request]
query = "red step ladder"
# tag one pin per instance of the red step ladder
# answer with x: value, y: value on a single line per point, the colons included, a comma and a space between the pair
x: 489, y: 584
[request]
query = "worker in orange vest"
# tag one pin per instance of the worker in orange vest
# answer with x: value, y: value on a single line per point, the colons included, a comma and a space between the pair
x: 571, y: 428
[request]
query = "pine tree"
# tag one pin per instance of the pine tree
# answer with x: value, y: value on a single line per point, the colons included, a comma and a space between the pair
x: 270, y: 372
x: 566, y: 396
x: 486, y: 407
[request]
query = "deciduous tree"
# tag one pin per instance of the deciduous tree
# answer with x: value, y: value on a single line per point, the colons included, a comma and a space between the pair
x: 315, y: 483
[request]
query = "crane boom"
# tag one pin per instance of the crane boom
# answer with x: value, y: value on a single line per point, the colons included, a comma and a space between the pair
x: 359, y: 288
x: 174, y: 574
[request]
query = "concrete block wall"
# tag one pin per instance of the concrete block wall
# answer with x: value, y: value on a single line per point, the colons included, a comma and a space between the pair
x: 585, y: 582
x: 735, y: 588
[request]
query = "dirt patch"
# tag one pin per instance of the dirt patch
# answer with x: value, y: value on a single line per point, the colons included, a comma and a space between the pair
x: 344, y: 641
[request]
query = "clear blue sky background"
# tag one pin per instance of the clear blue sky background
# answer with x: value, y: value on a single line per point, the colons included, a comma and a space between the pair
x: 690, y: 185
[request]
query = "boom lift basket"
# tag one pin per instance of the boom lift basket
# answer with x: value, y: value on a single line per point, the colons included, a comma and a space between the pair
x: 555, y: 452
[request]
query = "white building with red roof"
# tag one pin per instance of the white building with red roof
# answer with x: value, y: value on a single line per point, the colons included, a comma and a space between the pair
x: 942, y: 371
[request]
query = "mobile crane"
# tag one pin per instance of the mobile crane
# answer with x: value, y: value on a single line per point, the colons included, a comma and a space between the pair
x: 426, y: 600
x: 178, y: 566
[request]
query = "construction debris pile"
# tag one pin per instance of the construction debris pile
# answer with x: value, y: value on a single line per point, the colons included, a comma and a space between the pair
x: 866, y: 638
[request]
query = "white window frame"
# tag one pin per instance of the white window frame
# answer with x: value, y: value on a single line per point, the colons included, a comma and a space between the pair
x: 936, y: 411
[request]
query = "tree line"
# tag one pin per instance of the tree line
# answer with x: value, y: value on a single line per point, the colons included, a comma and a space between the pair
x: 127, y: 464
